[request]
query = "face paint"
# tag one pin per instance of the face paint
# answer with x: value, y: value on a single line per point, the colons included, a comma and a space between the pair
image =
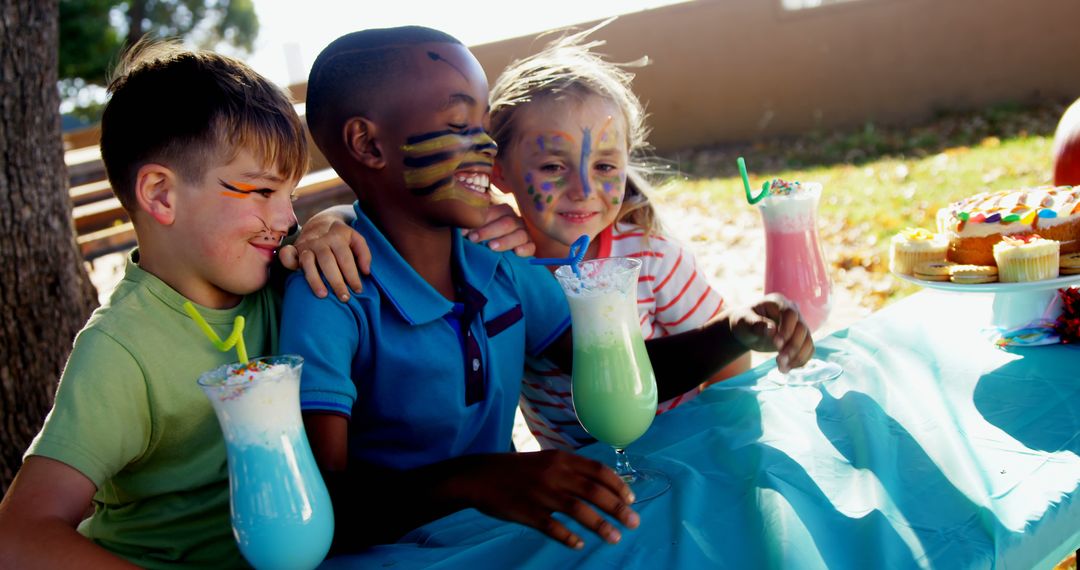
x: 541, y: 187
x: 602, y: 136
x: 541, y: 193
x: 583, y: 165
x: 238, y: 189
x: 432, y: 161
x: 433, y: 56
x: 567, y: 185
x: 612, y: 184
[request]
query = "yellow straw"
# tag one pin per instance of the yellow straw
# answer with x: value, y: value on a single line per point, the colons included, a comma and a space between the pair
x: 235, y: 339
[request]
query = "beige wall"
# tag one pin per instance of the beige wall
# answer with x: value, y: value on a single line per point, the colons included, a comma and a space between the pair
x: 732, y: 70
x: 728, y: 70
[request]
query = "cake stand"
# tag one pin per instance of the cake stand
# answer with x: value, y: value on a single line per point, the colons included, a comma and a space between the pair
x: 1020, y: 310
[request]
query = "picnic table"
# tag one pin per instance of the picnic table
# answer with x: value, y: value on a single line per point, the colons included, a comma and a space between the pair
x: 934, y: 449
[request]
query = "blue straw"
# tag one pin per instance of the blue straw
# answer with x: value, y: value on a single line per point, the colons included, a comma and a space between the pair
x: 577, y: 252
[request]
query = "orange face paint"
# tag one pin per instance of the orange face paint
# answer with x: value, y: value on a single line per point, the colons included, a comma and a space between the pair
x: 238, y: 189
x: 243, y: 187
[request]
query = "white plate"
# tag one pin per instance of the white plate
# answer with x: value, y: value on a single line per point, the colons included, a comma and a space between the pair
x: 996, y: 287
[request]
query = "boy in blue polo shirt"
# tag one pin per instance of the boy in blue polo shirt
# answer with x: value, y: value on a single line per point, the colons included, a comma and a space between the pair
x: 409, y: 388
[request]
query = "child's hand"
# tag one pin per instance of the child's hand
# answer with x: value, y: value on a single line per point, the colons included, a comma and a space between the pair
x: 328, y: 244
x: 504, y: 230
x: 529, y: 487
x: 774, y: 324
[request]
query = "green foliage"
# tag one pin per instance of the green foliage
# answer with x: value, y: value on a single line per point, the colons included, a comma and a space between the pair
x: 205, y: 22
x: 88, y: 42
x: 93, y: 33
x: 873, y: 142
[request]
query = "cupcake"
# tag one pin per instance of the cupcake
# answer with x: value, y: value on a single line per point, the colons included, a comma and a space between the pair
x: 1026, y: 258
x: 913, y: 246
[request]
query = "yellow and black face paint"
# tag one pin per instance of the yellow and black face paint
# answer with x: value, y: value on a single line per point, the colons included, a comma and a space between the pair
x: 431, y: 159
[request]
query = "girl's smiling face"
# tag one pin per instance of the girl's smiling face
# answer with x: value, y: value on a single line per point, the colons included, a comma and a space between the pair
x: 567, y: 168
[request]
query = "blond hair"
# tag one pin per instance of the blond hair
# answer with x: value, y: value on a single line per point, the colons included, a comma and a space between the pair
x: 568, y: 66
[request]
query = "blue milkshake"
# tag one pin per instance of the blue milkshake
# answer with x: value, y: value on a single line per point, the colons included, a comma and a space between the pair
x: 281, y: 511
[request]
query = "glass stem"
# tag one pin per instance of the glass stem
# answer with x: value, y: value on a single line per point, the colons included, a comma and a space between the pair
x: 622, y: 466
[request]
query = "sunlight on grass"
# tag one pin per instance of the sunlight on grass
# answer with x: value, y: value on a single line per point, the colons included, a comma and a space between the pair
x: 863, y: 205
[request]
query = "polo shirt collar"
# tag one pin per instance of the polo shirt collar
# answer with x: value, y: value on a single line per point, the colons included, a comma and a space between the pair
x: 413, y: 298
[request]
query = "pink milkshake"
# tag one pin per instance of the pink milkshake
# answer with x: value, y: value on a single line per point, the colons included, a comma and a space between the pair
x: 795, y: 267
x: 794, y: 263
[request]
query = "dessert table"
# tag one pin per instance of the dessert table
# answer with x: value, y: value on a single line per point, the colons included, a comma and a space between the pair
x: 934, y: 449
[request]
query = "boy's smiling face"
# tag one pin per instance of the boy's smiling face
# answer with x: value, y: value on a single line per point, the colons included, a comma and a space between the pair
x: 436, y: 141
x: 566, y: 168
x: 228, y: 227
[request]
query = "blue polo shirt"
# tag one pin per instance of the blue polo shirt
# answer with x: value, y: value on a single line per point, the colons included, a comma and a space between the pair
x: 422, y: 378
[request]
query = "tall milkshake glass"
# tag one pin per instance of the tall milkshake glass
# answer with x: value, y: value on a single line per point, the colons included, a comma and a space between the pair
x: 612, y: 385
x: 795, y: 266
x: 281, y: 511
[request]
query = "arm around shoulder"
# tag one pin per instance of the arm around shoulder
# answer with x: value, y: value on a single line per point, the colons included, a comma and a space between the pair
x: 39, y: 515
x: 328, y: 247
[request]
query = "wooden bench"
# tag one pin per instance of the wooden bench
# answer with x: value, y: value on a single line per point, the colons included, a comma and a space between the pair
x: 103, y: 226
x: 85, y: 166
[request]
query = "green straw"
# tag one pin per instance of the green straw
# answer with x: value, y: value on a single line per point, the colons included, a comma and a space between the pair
x: 235, y: 339
x: 746, y: 184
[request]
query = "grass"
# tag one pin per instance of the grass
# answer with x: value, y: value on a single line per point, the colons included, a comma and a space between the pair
x: 879, y: 180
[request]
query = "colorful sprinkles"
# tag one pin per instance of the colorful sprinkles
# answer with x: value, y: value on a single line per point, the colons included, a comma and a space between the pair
x: 238, y: 379
x: 987, y: 208
x: 779, y: 187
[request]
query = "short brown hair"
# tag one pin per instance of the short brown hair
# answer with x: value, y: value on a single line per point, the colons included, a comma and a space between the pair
x: 190, y: 110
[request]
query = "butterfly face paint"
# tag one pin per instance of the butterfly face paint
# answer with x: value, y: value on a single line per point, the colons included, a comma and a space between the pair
x: 541, y: 184
x: 610, y: 182
x: 567, y: 168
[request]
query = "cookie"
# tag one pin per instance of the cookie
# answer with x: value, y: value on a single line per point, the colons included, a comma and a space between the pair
x: 968, y: 274
x: 1069, y: 264
x: 933, y: 270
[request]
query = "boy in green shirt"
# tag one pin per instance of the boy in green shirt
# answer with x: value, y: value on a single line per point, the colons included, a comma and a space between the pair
x: 204, y: 154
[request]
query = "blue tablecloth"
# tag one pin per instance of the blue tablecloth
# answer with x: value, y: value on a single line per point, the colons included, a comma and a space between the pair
x: 935, y: 449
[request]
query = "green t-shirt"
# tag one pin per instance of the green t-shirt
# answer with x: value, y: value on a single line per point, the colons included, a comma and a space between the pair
x: 129, y: 415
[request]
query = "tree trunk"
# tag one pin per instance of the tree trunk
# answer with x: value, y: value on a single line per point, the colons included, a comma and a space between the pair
x: 136, y: 15
x: 45, y: 293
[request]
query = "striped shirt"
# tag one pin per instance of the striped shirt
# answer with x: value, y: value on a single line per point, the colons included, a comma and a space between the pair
x: 673, y: 297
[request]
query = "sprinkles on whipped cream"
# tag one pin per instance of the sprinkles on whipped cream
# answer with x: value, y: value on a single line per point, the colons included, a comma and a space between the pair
x: 236, y: 381
x: 779, y: 187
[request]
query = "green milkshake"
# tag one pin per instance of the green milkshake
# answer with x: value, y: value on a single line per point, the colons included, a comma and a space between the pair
x: 614, y: 396
x: 613, y: 386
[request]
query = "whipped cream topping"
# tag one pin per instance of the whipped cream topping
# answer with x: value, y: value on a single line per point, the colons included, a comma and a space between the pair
x: 1010, y: 211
